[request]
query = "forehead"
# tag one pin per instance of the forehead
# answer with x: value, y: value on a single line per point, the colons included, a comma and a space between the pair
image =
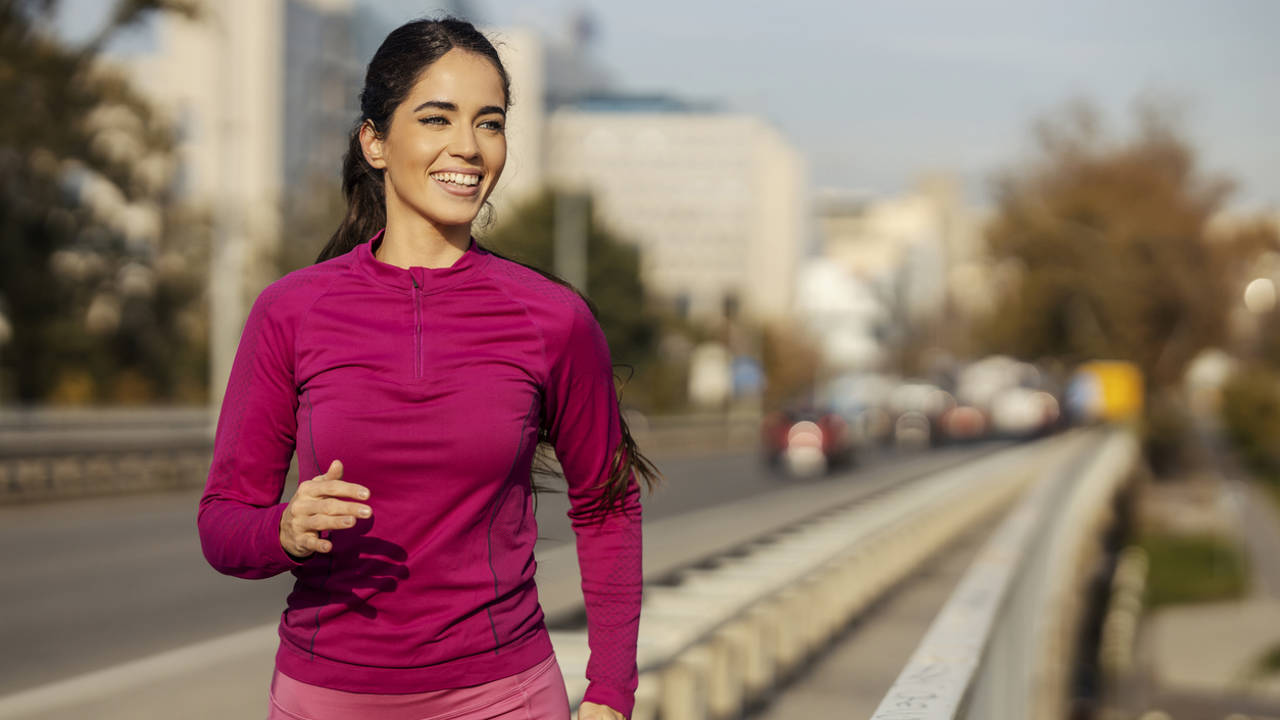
x: 461, y: 77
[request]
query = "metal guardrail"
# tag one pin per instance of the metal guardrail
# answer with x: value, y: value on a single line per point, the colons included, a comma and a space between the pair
x: 37, y: 433
x: 55, y: 453
x: 50, y: 453
x: 1003, y: 645
x: 725, y: 636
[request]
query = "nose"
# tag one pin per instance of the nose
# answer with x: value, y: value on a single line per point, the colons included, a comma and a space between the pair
x: 463, y: 143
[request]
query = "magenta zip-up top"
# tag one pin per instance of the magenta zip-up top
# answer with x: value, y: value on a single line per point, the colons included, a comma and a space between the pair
x: 430, y: 386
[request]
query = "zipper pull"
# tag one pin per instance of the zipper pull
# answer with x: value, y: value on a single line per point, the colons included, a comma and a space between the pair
x: 414, y: 280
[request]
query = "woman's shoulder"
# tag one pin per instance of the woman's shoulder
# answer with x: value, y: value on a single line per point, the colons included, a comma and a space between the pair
x: 538, y: 291
x: 298, y: 289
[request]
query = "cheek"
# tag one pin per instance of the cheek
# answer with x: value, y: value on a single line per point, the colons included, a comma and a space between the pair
x: 495, y: 153
x: 415, y: 156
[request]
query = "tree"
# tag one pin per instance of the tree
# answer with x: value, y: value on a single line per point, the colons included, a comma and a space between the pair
x: 100, y: 270
x: 1109, y: 248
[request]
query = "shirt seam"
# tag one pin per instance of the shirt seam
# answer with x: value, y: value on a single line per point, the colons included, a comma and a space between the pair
x: 542, y: 336
x: 302, y: 322
x: 493, y: 516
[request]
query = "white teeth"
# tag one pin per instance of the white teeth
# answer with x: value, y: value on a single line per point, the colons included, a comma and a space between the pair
x: 458, y: 178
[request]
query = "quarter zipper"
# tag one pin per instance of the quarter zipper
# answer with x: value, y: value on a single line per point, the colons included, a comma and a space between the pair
x: 417, y: 329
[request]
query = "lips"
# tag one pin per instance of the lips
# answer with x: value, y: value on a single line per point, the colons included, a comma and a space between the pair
x: 462, y: 183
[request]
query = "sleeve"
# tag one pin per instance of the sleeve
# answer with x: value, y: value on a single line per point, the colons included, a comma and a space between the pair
x: 585, y: 429
x: 240, y: 511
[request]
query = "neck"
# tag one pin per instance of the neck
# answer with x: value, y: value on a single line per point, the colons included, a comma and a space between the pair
x: 411, y: 240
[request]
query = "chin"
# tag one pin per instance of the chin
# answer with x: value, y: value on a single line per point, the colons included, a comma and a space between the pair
x: 451, y: 222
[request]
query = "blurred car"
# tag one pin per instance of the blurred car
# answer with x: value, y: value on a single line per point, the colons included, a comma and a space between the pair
x: 1024, y: 413
x: 963, y: 423
x: 918, y: 407
x: 805, y: 441
x: 912, y: 430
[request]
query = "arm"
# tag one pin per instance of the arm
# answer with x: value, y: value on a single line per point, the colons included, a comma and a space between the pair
x: 240, y: 511
x: 582, y: 406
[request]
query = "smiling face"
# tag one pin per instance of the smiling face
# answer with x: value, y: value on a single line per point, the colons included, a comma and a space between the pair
x: 446, y: 144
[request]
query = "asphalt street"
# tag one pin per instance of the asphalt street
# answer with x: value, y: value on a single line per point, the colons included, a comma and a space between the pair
x: 89, y: 584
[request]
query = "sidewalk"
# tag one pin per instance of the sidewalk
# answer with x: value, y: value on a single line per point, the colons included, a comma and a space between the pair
x: 1201, y: 660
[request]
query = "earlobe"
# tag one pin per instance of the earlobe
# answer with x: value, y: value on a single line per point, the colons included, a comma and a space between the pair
x: 371, y: 144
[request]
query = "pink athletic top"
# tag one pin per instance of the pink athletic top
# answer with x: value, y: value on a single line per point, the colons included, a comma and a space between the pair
x: 430, y: 386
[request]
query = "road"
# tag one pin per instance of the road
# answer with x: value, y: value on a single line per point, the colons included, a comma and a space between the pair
x: 94, y: 583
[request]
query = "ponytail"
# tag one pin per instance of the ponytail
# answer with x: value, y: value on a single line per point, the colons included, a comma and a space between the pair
x: 362, y: 185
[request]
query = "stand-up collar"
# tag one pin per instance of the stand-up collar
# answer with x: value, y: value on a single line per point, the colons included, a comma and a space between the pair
x: 429, y: 280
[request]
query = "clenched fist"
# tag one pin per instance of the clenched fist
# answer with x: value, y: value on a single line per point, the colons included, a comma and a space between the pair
x: 319, y: 504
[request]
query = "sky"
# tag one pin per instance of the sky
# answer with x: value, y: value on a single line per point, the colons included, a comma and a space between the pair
x: 878, y: 93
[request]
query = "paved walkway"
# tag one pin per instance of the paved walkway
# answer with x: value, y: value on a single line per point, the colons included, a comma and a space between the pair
x: 1199, y: 661
x: 1260, y: 523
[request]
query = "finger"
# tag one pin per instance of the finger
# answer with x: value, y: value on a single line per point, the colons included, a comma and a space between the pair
x: 332, y: 506
x: 330, y: 522
x: 333, y: 472
x: 316, y: 543
x: 320, y: 488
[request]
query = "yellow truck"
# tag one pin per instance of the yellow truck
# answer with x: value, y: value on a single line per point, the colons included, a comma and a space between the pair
x: 1105, y: 391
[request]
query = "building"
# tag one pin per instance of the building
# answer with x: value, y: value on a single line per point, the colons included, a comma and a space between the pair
x: 524, y: 55
x: 889, y: 265
x: 716, y: 201
x: 263, y: 94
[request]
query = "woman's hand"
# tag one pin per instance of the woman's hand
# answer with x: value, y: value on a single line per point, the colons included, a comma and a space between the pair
x: 318, y: 506
x: 592, y: 711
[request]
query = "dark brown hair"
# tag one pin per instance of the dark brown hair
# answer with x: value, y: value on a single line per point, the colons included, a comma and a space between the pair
x: 395, y: 68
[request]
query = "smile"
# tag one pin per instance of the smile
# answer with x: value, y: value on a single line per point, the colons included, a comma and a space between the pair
x: 456, y: 178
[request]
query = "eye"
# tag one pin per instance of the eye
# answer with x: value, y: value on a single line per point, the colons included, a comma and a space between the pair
x: 434, y: 120
x: 495, y: 125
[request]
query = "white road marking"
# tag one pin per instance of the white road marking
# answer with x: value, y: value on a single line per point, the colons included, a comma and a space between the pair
x: 118, y: 679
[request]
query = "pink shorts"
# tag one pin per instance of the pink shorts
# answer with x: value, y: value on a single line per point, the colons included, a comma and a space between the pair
x: 535, y: 694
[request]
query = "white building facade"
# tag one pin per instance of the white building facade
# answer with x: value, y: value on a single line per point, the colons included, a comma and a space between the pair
x: 716, y: 202
x: 891, y: 262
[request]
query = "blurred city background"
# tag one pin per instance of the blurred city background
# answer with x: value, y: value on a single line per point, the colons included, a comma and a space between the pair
x: 940, y: 282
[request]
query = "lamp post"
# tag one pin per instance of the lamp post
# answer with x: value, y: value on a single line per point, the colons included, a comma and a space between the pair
x: 6, y: 334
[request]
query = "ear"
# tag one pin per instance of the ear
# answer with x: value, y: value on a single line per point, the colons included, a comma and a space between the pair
x: 372, y: 146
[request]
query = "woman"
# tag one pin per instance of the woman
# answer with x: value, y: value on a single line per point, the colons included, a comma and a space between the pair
x: 413, y: 373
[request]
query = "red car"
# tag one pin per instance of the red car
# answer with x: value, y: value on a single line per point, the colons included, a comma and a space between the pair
x: 806, y: 441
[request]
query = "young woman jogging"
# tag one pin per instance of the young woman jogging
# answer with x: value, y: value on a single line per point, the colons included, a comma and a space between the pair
x: 413, y: 373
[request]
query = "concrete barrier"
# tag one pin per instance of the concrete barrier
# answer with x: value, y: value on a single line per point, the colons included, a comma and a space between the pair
x: 1003, y: 645
x: 723, y: 637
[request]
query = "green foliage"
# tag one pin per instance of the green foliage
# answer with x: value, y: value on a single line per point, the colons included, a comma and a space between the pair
x: 1251, y: 414
x: 101, y: 310
x: 614, y: 287
x: 1268, y: 662
x: 311, y: 214
x: 1193, y: 568
x: 1109, y: 250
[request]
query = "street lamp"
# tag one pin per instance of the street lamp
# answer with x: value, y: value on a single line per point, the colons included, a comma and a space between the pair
x: 6, y: 334
x: 1260, y: 296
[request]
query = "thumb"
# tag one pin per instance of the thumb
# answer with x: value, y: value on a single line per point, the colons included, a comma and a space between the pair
x: 335, y: 470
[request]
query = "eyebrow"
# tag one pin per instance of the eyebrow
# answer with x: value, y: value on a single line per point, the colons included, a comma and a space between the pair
x: 453, y: 107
